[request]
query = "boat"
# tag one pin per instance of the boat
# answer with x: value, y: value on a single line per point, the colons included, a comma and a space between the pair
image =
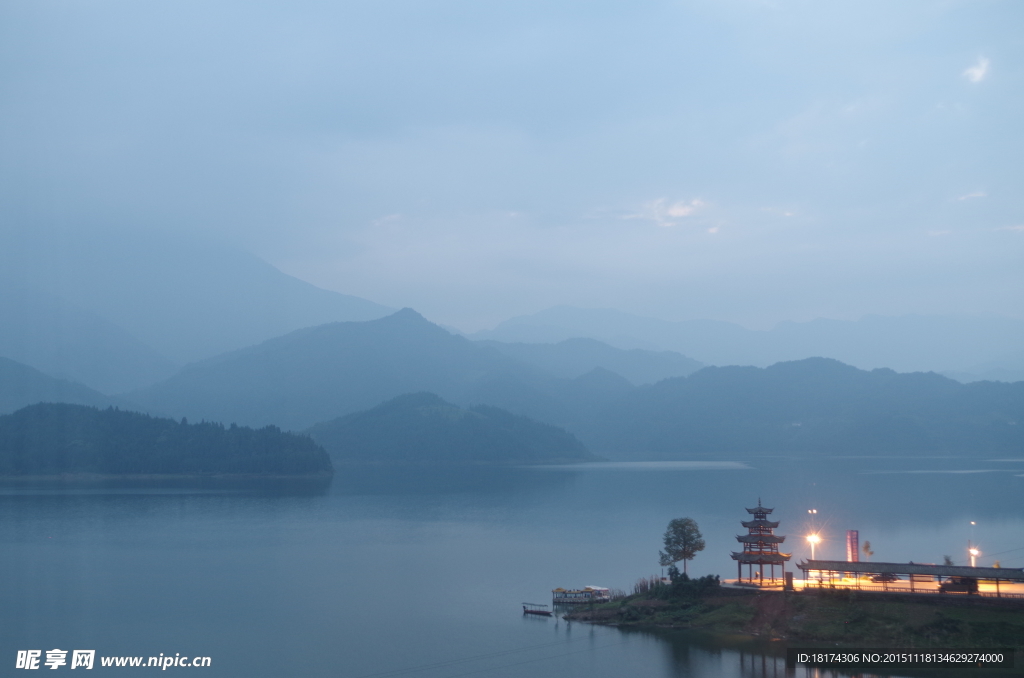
x: 536, y: 608
x: 587, y: 594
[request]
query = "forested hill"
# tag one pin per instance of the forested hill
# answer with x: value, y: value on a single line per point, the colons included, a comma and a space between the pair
x: 51, y: 439
x: 812, y: 406
x: 423, y: 428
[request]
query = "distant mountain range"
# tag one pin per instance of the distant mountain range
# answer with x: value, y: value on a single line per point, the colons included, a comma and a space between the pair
x: 817, y: 406
x: 120, y: 310
x: 969, y: 348
x: 812, y: 406
x: 423, y: 428
x: 573, y: 358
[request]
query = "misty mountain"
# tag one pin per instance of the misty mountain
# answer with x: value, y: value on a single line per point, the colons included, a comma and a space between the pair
x: 52, y: 439
x: 1009, y: 367
x: 573, y: 358
x: 21, y: 385
x: 812, y: 406
x: 319, y: 373
x: 62, y: 339
x: 185, y: 297
x: 424, y: 428
x: 905, y: 343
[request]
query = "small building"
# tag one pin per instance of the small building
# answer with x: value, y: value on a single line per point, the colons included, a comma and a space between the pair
x: 760, y: 547
x: 587, y: 594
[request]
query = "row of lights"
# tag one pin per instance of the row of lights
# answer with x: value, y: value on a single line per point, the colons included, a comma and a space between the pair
x: 814, y: 539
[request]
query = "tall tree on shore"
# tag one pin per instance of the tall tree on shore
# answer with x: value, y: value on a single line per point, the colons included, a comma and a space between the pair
x: 682, y: 542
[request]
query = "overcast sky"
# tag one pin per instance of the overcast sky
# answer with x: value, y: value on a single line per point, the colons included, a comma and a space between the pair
x: 731, y: 159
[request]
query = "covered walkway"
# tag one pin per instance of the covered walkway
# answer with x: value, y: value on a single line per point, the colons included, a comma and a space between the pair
x: 999, y: 582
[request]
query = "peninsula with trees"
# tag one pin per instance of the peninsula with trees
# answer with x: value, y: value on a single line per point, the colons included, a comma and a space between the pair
x: 812, y: 615
x: 52, y: 439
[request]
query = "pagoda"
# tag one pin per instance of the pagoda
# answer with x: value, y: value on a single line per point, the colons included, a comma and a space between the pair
x: 760, y: 546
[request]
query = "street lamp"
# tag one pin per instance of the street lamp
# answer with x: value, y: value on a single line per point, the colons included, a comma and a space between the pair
x: 974, y: 552
x: 814, y: 540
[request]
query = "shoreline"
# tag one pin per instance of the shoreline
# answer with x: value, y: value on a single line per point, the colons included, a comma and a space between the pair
x: 835, y: 618
x: 88, y: 477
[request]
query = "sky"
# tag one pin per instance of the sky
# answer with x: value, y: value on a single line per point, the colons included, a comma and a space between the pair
x: 741, y: 160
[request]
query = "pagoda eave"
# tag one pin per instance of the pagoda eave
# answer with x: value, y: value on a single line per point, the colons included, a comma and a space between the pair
x: 761, y: 538
x: 759, y: 523
x: 761, y: 558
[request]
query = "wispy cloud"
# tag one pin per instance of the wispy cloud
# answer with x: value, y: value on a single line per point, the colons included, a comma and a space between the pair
x: 936, y: 234
x: 1011, y: 228
x: 779, y: 211
x: 665, y: 213
x: 976, y: 194
x: 978, y: 71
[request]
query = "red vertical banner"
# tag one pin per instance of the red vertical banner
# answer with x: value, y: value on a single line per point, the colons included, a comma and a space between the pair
x: 852, y: 546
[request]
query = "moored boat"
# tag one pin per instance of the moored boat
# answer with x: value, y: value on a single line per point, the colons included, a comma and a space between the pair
x: 536, y: 608
x: 587, y: 594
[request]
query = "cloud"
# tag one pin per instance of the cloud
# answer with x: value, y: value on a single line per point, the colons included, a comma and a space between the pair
x: 666, y: 214
x: 1011, y: 228
x: 976, y: 194
x: 938, y: 233
x: 978, y: 71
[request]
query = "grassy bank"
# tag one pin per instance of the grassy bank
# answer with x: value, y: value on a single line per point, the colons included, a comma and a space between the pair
x: 847, y: 617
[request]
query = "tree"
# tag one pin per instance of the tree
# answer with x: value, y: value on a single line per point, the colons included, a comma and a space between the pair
x: 867, y: 550
x: 946, y: 560
x: 682, y: 542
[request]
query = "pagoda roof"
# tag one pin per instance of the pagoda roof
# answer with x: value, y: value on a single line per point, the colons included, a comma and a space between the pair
x: 759, y: 558
x: 760, y: 522
x: 759, y: 509
x: 761, y: 538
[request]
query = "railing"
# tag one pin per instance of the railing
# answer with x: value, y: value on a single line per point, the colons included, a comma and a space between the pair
x: 906, y: 589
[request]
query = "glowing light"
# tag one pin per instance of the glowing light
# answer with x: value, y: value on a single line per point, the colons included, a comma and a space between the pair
x: 974, y: 552
x: 813, y: 540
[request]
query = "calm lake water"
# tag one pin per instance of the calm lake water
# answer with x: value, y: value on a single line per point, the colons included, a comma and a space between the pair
x: 419, y: 573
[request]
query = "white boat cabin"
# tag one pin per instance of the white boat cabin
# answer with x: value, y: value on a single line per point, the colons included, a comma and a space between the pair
x: 587, y: 594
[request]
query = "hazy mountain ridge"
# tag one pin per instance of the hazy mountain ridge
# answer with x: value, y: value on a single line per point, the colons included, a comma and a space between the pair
x: 323, y: 372
x: 906, y: 343
x: 811, y: 406
x: 119, y: 310
x: 573, y: 358
x: 64, y: 340
x: 22, y: 385
x: 424, y: 428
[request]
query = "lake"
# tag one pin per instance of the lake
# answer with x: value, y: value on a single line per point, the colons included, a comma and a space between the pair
x: 422, y: 572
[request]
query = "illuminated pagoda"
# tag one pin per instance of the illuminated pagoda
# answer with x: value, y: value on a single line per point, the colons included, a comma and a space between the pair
x: 760, y: 546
